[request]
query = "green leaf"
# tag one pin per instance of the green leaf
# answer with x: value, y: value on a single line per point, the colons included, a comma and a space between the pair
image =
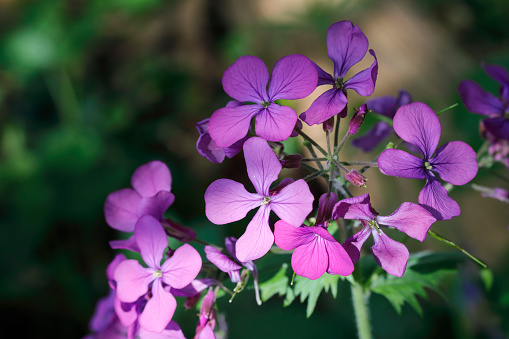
x: 424, y: 270
x: 311, y: 289
x: 278, y: 284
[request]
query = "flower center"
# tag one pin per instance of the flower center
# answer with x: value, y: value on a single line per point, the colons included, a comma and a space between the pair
x: 427, y: 165
x: 157, y: 274
x: 338, y: 84
x: 265, y: 201
x: 265, y: 104
x: 374, y: 225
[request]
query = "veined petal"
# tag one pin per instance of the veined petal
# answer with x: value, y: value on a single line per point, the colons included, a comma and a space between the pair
x: 151, y: 239
x: 373, y: 137
x: 127, y: 244
x: 353, y: 208
x: 222, y: 262
x: 293, y: 77
x: 409, y: 218
x: 417, y: 124
x: 179, y: 270
x: 159, y: 309
x: 193, y: 288
x: 385, y: 105
x: 258, y: 238
x: 132, y: 280
x: 228, y: 201
x: 171, y: 331
x: 391, y: 255
x: 346, y: 46
x: 339, y: 261
x: 120, y: 209
x: 289, y: 237
x: 455, y: 162
x: 209, y: 150
x: 354, y: 244
x: 151, y: 178
x: 364, y: 81
x: 477, y: 100
x: 401, y: 164
x: 324, y: 78
x: 262, y: 165
x: 327, y: 105
x: 435, y: 199
x: 156, y: 205
x: 293, y: 203
x: 246, y: 80
x: 230, y: 124
x: 499, y: 127
x: 311, y: 260
x: 275, y: 123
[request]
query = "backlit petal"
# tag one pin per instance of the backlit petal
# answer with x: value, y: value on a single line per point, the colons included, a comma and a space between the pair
x: 257, y: 239
x: 181, y: 268
x: 262, y: 164
x: 311, y: 260
x: 120, y: 209
x: 327, y: 105
x: 151, y: 178
x: 391, y: 255
x: 230, y: 124
x: 275, y: 123
x: 293, y: 203
x: 289, y: 237
x: 410, y: 218
x: 353, y: 208
x: 159, y: 309
x: 151, y: 239
x: 246, y: 80
x: 435, y: 199
x: 132, y: 280
x: 455, y: 162
x: 364, y: 81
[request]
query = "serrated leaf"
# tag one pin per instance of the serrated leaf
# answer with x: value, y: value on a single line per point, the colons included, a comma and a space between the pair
x: 278, y: 284
x: 311, y: 289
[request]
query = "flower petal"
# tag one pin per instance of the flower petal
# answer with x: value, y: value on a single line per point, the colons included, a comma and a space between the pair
x: 354, y: 244
x: 364, y: 81
x: 289, y: 237
x: 275, y: 123
x: 222, y: 262
x: 455, y: 162
x: 230, y: 124
x: 171, y: 331
x: 499, y: 127
x: 151, y: 239
x: 435, y: 199
x: 311, y: 260
x: 373, y: 137
x: 127, y: 244
x: 325, y: 206
x: 293, y: 77
x: 327, y: 105
x: 159, y: 309
x: 324, y: 78
x: 339, y: 261
x: 346, y: 46
x: 417, y: 124
x: 120, y: 209
x: 156, y: 205
x: 477, y: 100
x: 209, y: 150
x: 193, y: 288
x: 391, y: 255
x: 401, y: 164
x: 353, y: 208
x: 246, y: 80
x: 498, y: 73
x: 409, y: 218
x: 257, y: 239
x: 132, y: 280
x: 228, y: 201
x: 151, y: 178
x: 293, y: 203
x: 385, y: 105
x: 404, y: 98
x: 262, y: 164
x: 179, y: 270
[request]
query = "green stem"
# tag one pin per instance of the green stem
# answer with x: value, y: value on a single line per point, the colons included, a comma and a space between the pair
x: 305, y: 136
x: 360, y: 163
x: 448, y: 108
x: 313, y: 175
x: 450, y: 243
x: 314, y: 159
x: 360, y: 306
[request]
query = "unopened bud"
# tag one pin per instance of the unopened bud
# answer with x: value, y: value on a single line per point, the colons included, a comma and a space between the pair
x: 291, y: 161
x: 356, y: 178
x: 357, y: 119
x: 328, y: 125
x: 296, y: 129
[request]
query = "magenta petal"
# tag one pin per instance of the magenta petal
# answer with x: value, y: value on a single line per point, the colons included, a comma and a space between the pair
x: 311, y: 260
x: 401, y: 164
x: 353, y: 208
x: 346, y: 46
x: 209, y: 150
x: 171, y: 331
x: 288, y: 237
x: 262, y: 164
x: 339, y: 260
x: 435, y: 199
x: 391, y: 255
x: 193, y: 288
x: 230, y: 124
x: 327, y: 105
x: 156, y: 205
x: 159, y: 309
x: 206, y: 333
x: 151, y: 239
x: 222, y: 262
x: 112, y: 266
x: 409, y: 218
x: 151, y: 178
x: 275, y: 123
x: 258, y: 238
x: 132, y: 280
x: 498, y: 126
x: 228, y: 201
x: 455, y: 162
x: 126, y: 315
x: 120, y: 209
x: 246, y: 80
x: 417, y: 124
x: 182, y: 267
x: 293, y: 203
x: 364, y: 82
x: 477, y: 100
x: 354, y: 244
x: 293, y: 77
x: 127, y: 244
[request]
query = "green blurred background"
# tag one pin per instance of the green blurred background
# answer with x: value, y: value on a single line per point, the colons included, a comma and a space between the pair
x: 90, y: 90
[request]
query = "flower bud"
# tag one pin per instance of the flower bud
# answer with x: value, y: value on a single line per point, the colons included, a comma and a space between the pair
x: 357, y: 119
x: 356, y: 178
x: 291, y: 161
x: 328, y: 125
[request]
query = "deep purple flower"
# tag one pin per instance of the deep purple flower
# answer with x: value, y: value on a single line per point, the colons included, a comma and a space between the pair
x: 228, y: 201
x: 455, y: 162
x: 357, y: 119
x: 134, y: 280
x: 346, y: 46
x: 293, y: 77
x: 478, y: 101
x: 325, y: 205
x: 392, y: 256
x: 386, y: 106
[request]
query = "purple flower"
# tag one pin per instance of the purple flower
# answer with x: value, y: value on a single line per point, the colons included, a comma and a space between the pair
x: 134, y: 280
x: 346, y: 46
x: 455, y: 162
x: 391, y: 255
x: 171, y: 331
x: 293, y: 77
x: 357, y: 119
x: 386, y: 106
x: 478, y: 101
x: 316, y: 250
x: 228, y: 201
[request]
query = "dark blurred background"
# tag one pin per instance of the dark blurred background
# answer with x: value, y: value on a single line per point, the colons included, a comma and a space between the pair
x: 90, y: 90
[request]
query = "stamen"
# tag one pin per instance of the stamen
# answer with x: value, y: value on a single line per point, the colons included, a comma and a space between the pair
x: 265, y: 201
x: 427, y: 165
x: 265, y: 104
x: 157, y: 274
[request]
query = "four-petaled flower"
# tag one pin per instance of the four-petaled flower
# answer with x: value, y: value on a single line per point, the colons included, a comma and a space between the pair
x: 455, y: 162
x: 391, y: 255
x: 228, y: 201
x: 346, y: 46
